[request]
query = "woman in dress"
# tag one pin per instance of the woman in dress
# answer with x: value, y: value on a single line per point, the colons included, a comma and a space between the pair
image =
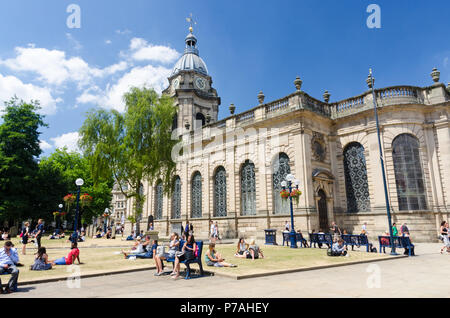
x: 41, y: 262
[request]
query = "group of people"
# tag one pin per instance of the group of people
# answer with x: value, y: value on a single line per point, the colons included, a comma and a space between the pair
x: 9, y: 263
x: 214, y: 231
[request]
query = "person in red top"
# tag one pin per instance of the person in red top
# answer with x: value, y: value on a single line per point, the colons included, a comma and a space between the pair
x: 73, y: 255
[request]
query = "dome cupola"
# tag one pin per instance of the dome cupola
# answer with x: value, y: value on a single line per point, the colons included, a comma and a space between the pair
x: 190, y: 61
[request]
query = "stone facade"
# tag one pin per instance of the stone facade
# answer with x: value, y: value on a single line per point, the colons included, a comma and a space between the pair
x: 313, y: 135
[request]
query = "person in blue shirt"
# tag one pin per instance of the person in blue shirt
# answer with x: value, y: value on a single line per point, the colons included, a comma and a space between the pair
x: 40, y: 231
x: 338, y: 248
x: 8, y: 260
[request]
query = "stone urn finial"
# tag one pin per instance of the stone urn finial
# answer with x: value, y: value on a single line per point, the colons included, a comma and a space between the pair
x: 435, y: 75
x: 326, y: 97
x: 298, y: 83
x: 370, y: 80
x: 187, y: 125
x: 208, y: 118
x: 232, y: 109
x: 261, y: 97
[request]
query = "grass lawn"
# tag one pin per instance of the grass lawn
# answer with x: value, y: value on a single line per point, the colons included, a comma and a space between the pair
x: 278, y: 258
x: 94, y: 260
x: 105, y: 259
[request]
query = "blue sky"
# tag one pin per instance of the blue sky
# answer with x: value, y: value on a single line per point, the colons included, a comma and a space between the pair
x: 248, y: 46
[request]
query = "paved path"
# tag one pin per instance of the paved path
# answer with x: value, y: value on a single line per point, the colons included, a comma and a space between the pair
x: 426, y: 275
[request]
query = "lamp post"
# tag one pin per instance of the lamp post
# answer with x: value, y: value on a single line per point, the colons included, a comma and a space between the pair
x: 371, y: 80
x: 105, y: 224
x: 79, y: 182
x: 288, y: 183
x: 58, y: 222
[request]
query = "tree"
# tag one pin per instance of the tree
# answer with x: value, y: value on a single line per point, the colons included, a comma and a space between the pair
x: 19, y: 150
x: 134, y: 146
x: 69, y: 166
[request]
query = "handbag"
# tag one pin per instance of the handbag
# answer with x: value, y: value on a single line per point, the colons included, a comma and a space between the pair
x: 160, y: 250
x: 179, y: 253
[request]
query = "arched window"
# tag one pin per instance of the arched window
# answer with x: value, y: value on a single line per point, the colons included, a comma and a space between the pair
x: 176, y: 198
x: 280, y: 170
x: 159, y: 200
x: 196, y: 195
x: 175, y: 121
x: 199, y: 120
x: 408, y: 173
x: 248, y: 189
x: 356, y: 185
x: 220, y: 192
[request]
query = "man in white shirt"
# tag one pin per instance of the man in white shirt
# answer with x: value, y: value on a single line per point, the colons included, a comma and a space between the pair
x: 8, y: 260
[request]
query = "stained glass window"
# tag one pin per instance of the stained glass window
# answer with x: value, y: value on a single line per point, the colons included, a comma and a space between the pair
x: 248, y: 189
x: 408, y: 173
x: 356, y: 185
x: 159, y: 200
x: 280, y: 170
x: 196, y: 195
x: 176, y: 199
x: 220, y: 192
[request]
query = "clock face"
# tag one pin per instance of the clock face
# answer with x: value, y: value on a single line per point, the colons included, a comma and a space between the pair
x: 175, y: 83
x: 200, y: 83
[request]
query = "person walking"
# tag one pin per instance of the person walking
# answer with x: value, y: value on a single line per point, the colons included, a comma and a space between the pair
x: 212, y: 231
x: 8, y: 261
x: 25, y: 235
x: 445, y: 236
x: 394, y: 230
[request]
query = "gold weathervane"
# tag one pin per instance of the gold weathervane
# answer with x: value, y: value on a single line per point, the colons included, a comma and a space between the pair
x: 191, y: 22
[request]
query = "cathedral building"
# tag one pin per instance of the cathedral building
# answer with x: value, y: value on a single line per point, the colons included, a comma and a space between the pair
x: 230, y: 170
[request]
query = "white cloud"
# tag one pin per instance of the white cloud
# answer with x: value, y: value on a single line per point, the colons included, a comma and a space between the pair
x: 68, y: 140
x: 144, y: 51
x: 108, y: 41
x: 53, y: 67
x: 148, y: 76
x: 45, y: 145
x: 123, y: 32
x: 11, y: 85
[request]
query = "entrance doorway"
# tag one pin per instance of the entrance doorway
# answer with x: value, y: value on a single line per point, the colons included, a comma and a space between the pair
x: 323, y: 210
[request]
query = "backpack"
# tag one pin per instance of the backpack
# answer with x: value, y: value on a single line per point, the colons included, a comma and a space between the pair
x: 196, y: 250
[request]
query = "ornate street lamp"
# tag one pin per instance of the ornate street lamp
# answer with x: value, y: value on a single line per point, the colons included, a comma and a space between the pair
x: 106, y: 215
x: 290, y: 180
x: 79, y: 182
x: 58, y: 222
x: 370, y: 81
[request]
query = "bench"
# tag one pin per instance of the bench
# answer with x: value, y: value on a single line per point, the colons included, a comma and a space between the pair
x: 356, y: 240
x: 399, y: 242
x: 298, y: 236
x: 197, y: 260
x: 316, y: 238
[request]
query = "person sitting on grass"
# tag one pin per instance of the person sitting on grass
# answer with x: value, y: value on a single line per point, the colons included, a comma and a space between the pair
x: 212, y: 258
x: 131, y: 236
x: 73, y: 255
x: 41, y: 262
x: 150, y: 249
x: 339, y: 249
x: 137, y: 248
x: 254, y: 252
x: 189, y: 248
x: 242, y: 247
x: 173, y: 248
x: 98, y: 234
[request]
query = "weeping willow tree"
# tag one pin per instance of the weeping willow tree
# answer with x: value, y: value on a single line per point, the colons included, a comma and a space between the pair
x: 133, y: 146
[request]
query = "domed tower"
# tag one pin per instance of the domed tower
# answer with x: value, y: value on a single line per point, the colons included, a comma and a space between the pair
x: 191, y: 85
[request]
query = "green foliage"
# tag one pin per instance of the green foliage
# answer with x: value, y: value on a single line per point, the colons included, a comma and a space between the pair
x: 19, y: 148
x: 134, y: 146
x: 69, y: 166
